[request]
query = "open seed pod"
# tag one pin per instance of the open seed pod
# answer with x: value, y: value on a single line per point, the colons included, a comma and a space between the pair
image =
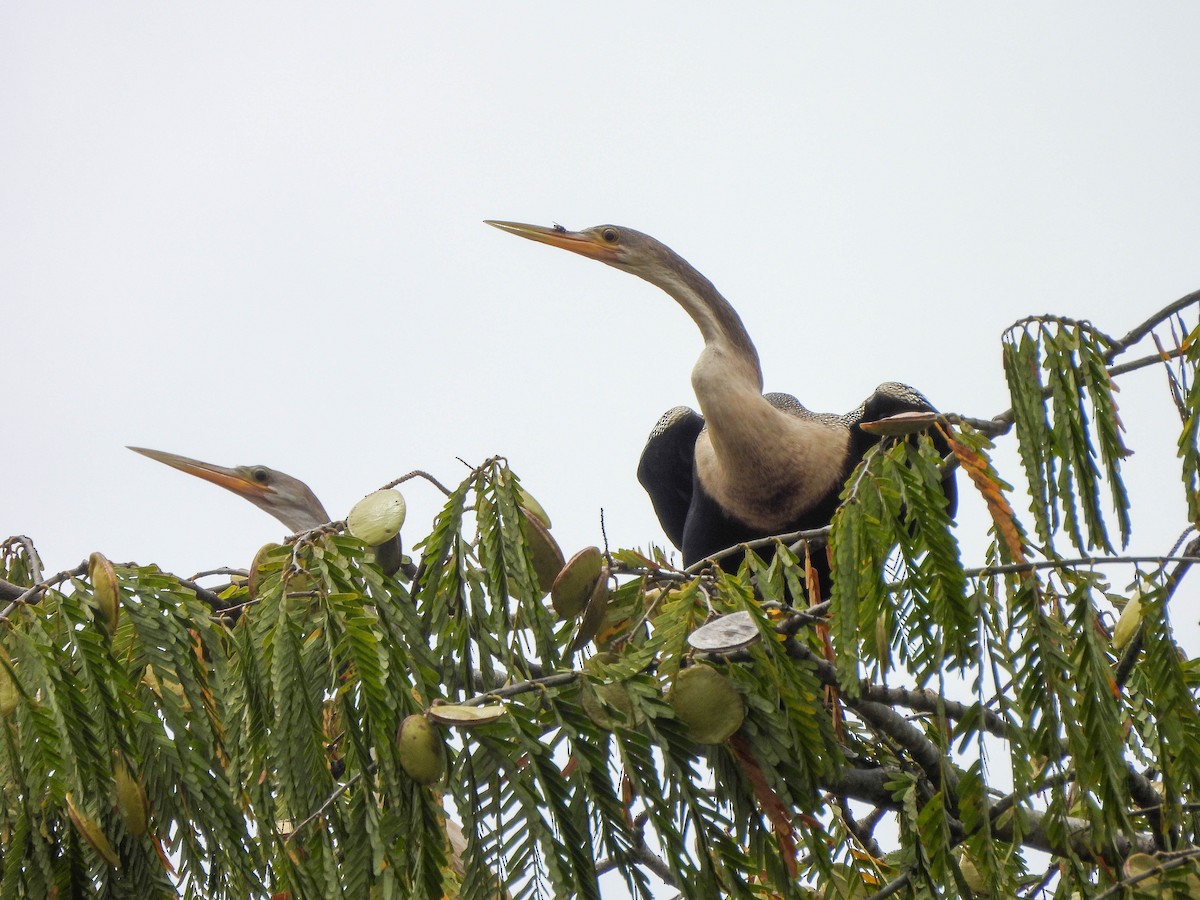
x: 575, y: 583
x: 726, y: 634
x: 900, y: 424
x: 707, y: 703
x: 104, y: 589
x: 377, y: 517
x: 92, y: 833
x: 466, y: 716
x: 421, y: 749
x: 547, y: 556
x: 131, y: 798
x: 596, y: 613
x: 1141, y: 865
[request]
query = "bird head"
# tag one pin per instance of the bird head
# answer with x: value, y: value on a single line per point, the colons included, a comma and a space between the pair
x: 618, y: 246
x: 288, y: 499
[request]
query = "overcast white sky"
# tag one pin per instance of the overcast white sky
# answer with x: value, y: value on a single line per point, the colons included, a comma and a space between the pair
x: 252, y: 233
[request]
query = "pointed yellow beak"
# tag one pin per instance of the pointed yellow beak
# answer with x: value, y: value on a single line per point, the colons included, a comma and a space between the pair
x: 230, y: 479
x: 585, y: 243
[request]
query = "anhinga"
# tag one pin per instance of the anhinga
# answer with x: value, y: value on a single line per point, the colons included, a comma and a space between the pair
x: 753, y: 464
x: 288, y: 499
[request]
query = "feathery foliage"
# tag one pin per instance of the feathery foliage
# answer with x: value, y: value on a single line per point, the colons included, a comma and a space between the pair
x: 319, y: 728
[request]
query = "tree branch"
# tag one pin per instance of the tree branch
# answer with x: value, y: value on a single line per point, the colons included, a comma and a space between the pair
x: 1137, y: 333
x: 34, y: 593
x: 1129, y: 657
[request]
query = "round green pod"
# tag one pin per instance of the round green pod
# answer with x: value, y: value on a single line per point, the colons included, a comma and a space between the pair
x: 707, y: 703
x: 422, y: 751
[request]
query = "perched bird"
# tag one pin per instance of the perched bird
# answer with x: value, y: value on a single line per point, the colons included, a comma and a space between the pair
x: 754, y: 464
x: 288, y: 499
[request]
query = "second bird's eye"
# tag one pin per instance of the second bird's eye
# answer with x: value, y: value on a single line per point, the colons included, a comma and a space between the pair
x: 261, y: 476
x: 610, y: 235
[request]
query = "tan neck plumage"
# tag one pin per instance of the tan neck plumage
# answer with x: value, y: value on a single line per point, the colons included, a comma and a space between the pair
x: 764, y: 466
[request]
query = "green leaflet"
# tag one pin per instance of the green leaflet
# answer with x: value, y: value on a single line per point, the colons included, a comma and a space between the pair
x: 1065, y: 414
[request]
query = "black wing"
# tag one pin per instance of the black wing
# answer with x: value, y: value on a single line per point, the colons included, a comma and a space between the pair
x: 665, y: 469
x: 889, y: 399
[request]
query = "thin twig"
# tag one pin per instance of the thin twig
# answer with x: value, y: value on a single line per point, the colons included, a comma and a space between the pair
x: 794, y: 540
x: 33, y: 594
x: 419, y: 473
x: 329, y: 801
x: 1009, y: 568
x: 223, y: 570
x: 1140, y: 331
x: 1174, y: 861
x: 521, y: 687
x: 1183, y: 563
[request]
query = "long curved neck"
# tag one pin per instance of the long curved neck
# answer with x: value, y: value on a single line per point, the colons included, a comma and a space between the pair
x: 729, y: 360
x: 760, y: 464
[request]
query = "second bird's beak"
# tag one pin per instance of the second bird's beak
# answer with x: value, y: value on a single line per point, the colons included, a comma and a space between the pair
x: 230, y: 479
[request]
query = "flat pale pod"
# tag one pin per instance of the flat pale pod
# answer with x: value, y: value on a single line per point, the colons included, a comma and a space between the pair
x: 466, y: 716
x: 726, y: 634
x: 92, y: 833
x: 900, y: 424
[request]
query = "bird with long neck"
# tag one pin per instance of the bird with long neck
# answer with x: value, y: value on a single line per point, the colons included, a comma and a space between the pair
x: 754, y: 465
x: 283, y: 496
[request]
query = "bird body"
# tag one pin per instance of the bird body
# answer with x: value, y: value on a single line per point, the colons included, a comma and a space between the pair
x: 750, y: 464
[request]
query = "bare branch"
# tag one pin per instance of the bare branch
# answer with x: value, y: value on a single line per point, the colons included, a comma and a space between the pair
x: 34, y: 593
x: 418, y: 473
x: 1140, y: 331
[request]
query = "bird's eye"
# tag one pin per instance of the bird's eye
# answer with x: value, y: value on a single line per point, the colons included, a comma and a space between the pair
x: 260, y: 475
x: 610, y: 235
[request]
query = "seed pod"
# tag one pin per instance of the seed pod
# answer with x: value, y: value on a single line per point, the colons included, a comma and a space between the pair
x: 1128, y: 622
x: 727, y: 634
x: 92, y: 833
x: 377, y: 517
x: 254, y: 582
x: 131, y: 798
x: 526, y: 501
x: 104, y: 590
x: 466, y: 716
x: 971, y: 876
x: 389, y: 555
x: 707, y: 703
x: 575, y: 583
x: 544, y: 551
x: 596, y: 613
x: 608, y: 704
x: 10, y: 695
x: 422, y: 751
